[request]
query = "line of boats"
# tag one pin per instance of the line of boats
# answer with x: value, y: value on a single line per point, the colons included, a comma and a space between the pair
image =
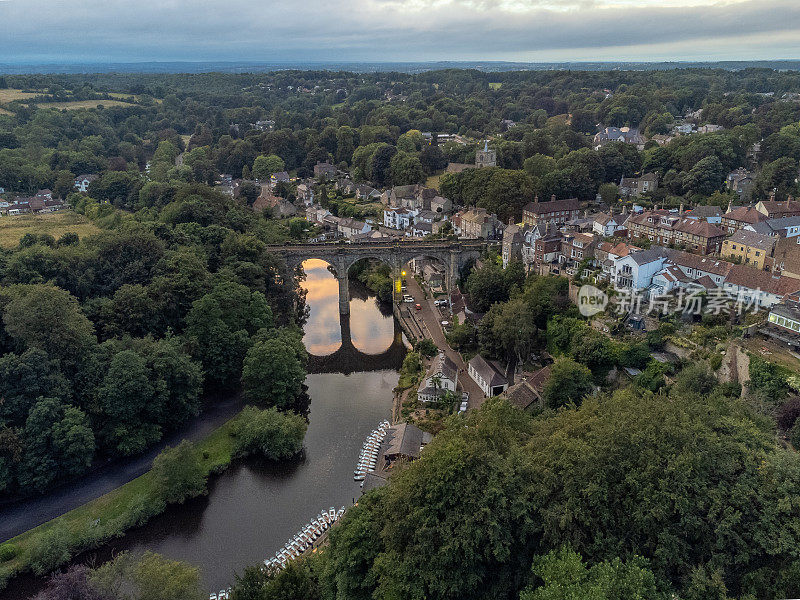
x: 370, y: 451
x: 305, y: 538
x: 301, y: 542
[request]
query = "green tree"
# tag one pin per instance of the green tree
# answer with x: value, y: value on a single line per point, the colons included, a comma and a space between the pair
x: 569, y: 382
x: 272, y: 374
x: 265, y: 166
x: 270, y: 433
x: 565, y: 576
x: 406, y: 169
x: 58, y: 442
x: 126, y: 400
x: 178, y: 473
x: 149, y: 577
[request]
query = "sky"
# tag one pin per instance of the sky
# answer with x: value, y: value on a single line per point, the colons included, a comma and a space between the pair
x: 397, y: 30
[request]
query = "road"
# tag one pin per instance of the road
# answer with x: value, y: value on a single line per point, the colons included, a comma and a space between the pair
x: 18, y: 517
x: 430, y: 320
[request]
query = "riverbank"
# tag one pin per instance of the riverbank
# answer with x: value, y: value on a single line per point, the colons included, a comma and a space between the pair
x: 23, y: 515
x: 54, y: 543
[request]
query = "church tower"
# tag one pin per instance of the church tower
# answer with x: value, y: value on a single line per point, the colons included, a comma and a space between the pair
x: 486, y: 157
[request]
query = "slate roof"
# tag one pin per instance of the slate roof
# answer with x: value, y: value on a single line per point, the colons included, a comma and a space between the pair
x: 745, y: 214
x: 705, y: 211
x: 405, y: 440
x: 752, y: 239
x: 487, y: 371
x: 539, y: 208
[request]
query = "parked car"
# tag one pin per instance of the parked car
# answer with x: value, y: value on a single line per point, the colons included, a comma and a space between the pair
x: 418, y: 306
x: 441, y: 302
x: 408, y: 298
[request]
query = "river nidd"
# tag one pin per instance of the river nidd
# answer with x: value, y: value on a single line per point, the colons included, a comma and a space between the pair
x: 256, y: 506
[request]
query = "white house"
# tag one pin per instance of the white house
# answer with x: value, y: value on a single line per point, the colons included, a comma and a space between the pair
x: 606, y: 225
x: 442, y: 377
x: 491, y: 381
x: 350, y: 227
x: 82, y: 182
x: 398, y: 218
x: 636, y: 270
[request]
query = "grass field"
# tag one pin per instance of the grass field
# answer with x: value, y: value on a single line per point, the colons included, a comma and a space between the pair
x: 495, y: 85
x: 56, y: 224
x: 92, y: 524
x: 9, y: 95
x: 78, y: 104
x: 433, y: 181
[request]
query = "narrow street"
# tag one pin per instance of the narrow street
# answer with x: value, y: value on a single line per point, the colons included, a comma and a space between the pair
x: 429, y: 319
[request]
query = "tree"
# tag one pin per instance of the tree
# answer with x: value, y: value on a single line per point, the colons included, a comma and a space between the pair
x: 597, y: 352
x: 49, y: 319
x: 272, y: 434
x: 296, y: 581
x: 565, y: 576
x: 272, y: 374
x: 706, y: 176
x: 406, y: 169
x: 126, y: 400
x: 486, y: 286
x: 73, y: 584
x: 609, y: 192
x: 149, y: 577
x: 25, y: 378
x: 250, y: 192
x: 379, y: 165
x: 265, y: 166
x: 569, y: 382
x: 178, y: 473
x: 766, y: 377
x: 58, y: 441
x: 788, y: 413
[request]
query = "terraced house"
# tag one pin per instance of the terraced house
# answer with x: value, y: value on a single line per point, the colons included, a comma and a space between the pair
x: 667, y: 229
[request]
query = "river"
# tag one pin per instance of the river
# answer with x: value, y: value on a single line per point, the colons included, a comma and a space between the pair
x: 256, y: 506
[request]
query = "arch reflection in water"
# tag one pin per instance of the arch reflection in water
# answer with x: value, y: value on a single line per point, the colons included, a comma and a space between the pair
x: 367, y: 339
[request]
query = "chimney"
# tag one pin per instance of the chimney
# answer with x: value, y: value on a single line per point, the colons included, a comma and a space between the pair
x: 536, y: 199
x: 680, y: 211
x: 625, y: 210
x: 553, y: 198
x: 730, y: 205
x: 586, y: 214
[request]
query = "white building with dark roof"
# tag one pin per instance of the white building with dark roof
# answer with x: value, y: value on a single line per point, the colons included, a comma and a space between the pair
x: 488, y: 377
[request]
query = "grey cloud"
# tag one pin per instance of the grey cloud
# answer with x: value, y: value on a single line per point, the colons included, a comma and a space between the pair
x: 386, y: 29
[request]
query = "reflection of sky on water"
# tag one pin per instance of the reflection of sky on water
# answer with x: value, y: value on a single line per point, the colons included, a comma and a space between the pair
x: 322, y: 332
x: 371, y: 332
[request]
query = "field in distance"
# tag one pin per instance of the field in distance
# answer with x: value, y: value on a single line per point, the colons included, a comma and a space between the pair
x: 56, y: 224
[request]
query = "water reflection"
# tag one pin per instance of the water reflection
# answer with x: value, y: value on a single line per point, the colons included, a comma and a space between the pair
x: 322, y: 332
x: 371, y: 331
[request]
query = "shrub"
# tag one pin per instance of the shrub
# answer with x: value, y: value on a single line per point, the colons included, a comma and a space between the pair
x: 7, y: 552
x: 178, y: 473
x: 788, y: 413
x: 794, y: 436
x: 268, y: 432
x: 50, y: 549
x: 427, y: 347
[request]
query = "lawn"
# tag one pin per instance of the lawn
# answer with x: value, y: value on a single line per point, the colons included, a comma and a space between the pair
x: 433, y: 181
x: 78, y: 104
x: 93, y: 524
x: 56, y: 224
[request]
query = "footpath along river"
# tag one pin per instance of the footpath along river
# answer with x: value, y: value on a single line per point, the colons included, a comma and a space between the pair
x: 253, y: 508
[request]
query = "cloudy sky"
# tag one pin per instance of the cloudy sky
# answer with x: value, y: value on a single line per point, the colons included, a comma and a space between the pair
x: 415, y: 30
